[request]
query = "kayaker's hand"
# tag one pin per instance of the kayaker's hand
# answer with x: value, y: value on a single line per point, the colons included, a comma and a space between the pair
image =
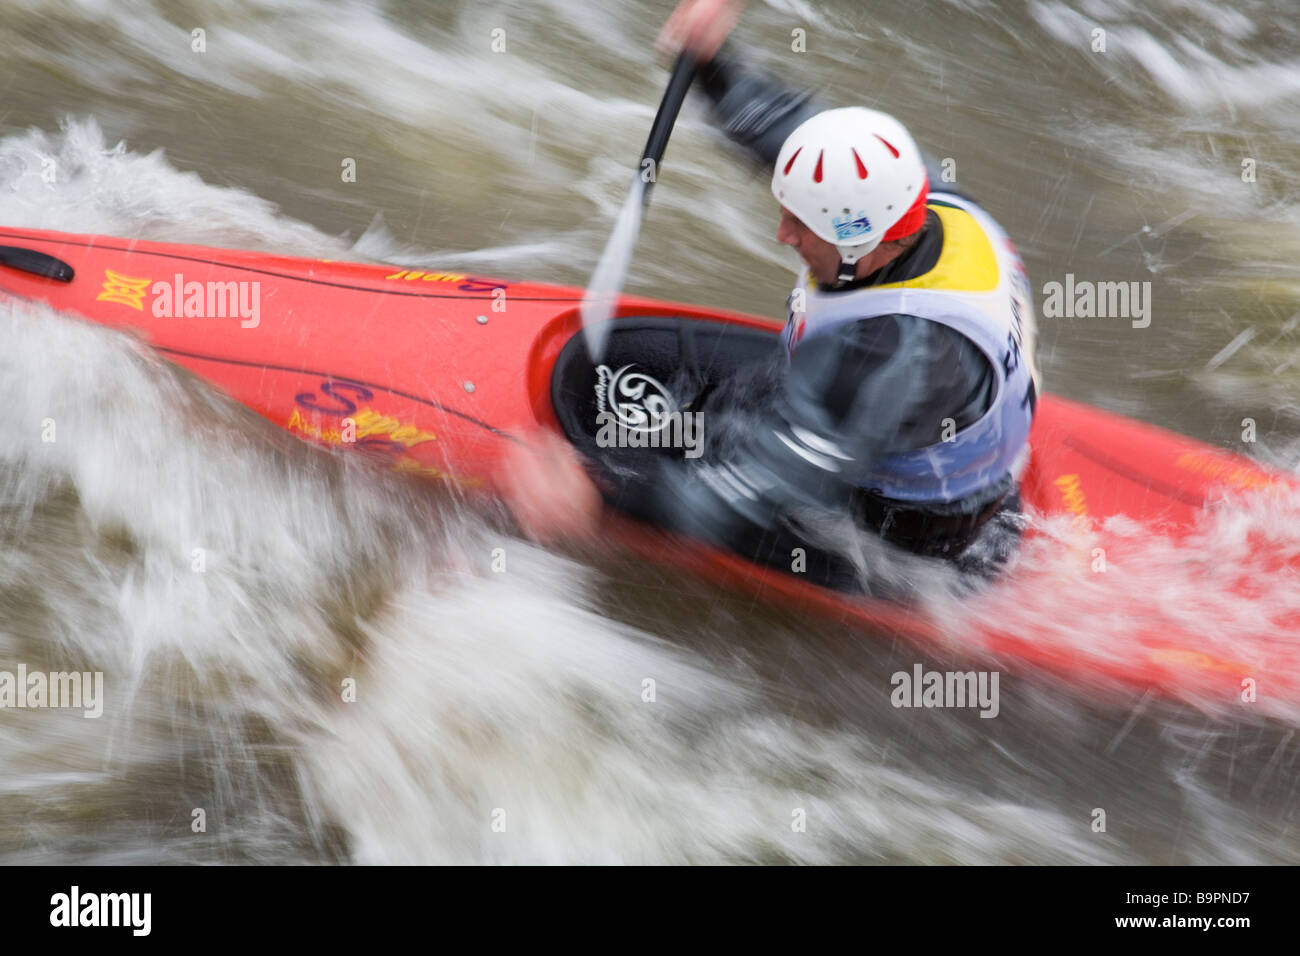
x: 547, y: 490
x: 699, y: 27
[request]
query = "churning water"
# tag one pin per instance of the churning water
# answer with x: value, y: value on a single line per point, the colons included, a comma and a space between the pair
x: 229, y: 580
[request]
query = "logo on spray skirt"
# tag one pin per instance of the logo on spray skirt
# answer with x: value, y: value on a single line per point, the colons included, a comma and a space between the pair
x: 639, y: 402
x: 848, y: 227
x: 636, y: 411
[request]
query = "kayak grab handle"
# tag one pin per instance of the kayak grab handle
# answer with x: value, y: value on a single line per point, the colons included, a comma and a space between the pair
x: 36, y: 263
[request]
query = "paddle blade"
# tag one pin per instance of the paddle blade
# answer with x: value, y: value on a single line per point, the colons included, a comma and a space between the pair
x: 607, y: 280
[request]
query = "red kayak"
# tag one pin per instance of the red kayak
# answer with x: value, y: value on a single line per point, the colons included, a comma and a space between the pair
x: 439, y: 372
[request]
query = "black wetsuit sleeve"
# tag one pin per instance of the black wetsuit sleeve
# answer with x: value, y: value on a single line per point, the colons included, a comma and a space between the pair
x: 754, y: 110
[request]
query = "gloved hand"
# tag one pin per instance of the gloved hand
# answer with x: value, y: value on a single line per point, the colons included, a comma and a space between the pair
x: 699, y: 27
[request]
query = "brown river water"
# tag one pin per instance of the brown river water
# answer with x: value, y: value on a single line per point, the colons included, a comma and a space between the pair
x: 1170, y: 158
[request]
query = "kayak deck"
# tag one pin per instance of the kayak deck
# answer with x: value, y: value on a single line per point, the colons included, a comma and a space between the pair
x: 437, y: 373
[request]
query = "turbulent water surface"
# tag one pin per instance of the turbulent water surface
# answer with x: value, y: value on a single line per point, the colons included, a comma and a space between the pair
x: 1169, y: 158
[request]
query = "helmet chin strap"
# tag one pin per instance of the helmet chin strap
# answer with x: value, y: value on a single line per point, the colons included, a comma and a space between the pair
x: 850, y: 256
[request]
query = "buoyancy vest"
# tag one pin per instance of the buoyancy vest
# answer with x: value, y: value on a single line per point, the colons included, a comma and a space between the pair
x: 979, y: 288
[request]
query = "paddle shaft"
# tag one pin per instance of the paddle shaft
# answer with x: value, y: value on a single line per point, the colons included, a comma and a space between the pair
x: 607, y: 280
x: 679, y: 84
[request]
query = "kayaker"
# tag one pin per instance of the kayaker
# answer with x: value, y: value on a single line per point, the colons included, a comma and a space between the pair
x: 909, y: 384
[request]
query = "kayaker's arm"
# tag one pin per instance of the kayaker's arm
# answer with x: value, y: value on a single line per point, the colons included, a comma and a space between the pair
x: 542, y: 481
x: 756, y: 111
x: 885, y: 386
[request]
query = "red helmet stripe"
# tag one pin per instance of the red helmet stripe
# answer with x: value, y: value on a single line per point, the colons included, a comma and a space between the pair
x: 893, y: 152
x: 792, y: 159
x: 817, y: 173
x: 862, y: 170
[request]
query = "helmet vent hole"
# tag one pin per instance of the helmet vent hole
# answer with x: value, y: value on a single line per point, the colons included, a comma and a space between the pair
x: 889, y: 207
x: 792, y: 159
x: 817, y: 173
x: 893, y: 152
x: 862, y: 170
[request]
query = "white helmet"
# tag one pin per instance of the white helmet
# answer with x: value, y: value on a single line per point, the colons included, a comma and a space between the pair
x: 855, y: 177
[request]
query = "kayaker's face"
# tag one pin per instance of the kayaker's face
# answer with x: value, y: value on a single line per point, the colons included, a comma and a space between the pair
x: 821, y: 257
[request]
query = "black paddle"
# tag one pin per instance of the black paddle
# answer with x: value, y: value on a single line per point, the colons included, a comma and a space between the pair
x: 611, y: 271
x: 679, y: 84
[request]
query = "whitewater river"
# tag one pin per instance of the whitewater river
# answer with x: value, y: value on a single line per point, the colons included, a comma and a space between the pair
x: 1170, y: 157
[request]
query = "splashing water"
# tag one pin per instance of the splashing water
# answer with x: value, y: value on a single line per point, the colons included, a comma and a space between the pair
x: 507, y: 717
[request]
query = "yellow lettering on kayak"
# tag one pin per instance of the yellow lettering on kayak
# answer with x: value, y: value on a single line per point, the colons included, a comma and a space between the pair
x: 412, y: 275
x: 300, y: 425
x: 370, y: 422
x: 1072, y: 496
x: 124, y: 290
x: 1227, y: 471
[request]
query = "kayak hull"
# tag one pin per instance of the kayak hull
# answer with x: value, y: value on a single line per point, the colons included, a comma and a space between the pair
x: 439, y: 373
